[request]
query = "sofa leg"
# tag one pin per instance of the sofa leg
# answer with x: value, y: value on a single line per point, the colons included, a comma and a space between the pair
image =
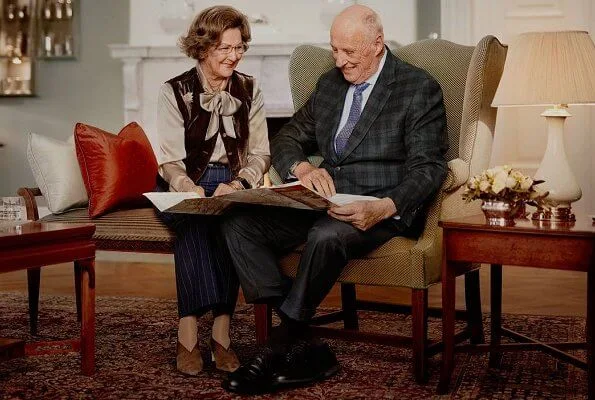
x: 473, y: 305
x: 348, y: 298
x: 419, y: 316
x: 263, y: 317
x: 77, y: 289
x: 33, y: 278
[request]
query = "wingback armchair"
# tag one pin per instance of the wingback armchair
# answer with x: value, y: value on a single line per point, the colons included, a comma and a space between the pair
x: 468, y: 76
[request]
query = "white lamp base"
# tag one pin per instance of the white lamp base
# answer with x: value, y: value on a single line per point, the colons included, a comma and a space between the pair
x: 555, y: 171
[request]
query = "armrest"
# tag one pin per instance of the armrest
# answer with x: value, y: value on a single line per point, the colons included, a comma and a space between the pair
x: 458, y: 173
x: 29, y: 195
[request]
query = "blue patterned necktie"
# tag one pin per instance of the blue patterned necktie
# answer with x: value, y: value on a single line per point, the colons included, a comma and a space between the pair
x: 354, y: 113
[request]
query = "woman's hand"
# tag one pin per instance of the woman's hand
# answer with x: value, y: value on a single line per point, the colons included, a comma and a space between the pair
x: 200, y: 191
x: 224, y: 188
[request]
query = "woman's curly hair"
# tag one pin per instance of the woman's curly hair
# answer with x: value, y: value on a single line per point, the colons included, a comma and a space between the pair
x: 208, y: 26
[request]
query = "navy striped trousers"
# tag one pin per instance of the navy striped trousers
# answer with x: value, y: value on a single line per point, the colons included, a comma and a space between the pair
x: 205, y: 277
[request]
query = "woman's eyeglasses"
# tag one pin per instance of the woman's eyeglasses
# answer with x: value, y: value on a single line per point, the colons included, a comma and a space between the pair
x: 225, y: 49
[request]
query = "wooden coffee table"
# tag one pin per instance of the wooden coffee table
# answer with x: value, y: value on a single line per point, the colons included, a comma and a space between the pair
x: 34, y: 245
x: 565, y: 246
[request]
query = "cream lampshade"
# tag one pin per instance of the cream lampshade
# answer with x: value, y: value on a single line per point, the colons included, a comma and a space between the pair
x: 552, y: 69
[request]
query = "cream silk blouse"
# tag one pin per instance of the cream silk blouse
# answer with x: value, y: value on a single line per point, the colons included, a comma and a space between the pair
x: 170, y: 130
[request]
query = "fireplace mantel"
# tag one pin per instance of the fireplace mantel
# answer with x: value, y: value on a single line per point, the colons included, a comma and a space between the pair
x: 145, y: 68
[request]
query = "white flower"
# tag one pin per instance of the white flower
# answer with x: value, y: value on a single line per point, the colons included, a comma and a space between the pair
x: 499, y: 181
x: 518, y: 175
x: 526, y: 183
x: 484, y: 186
x: 510, y: 182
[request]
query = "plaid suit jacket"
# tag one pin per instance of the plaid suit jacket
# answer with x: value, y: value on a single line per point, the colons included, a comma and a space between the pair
x: 396, y: 149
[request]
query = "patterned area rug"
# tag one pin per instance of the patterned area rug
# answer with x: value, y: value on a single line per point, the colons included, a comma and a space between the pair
x: 135, y: 359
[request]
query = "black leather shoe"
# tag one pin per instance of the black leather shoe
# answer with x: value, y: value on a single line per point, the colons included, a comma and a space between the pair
x: 255, y: 377
x: 306, y: 362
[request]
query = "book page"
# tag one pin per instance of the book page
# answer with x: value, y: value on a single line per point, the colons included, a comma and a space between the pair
x: 266, y: 197
x: 341, y: 199
x: 299, y: 193
x: 165, y: 200
x: 203, y: 206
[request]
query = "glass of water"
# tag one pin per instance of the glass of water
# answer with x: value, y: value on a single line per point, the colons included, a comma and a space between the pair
x: 13, y: 209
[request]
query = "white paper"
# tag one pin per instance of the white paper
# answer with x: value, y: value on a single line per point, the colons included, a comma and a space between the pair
x: 343, y: 198
x: 165, y: 200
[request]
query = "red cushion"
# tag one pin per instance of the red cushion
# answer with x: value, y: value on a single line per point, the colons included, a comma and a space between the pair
x: 116, y: 169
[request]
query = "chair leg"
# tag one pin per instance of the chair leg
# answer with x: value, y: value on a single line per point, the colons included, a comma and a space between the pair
x: 33, y: 278
x: 419, y: 316
x: 77, y: 289
x: 496, y: 312
x: 263, y: 318
x: 348, y: 297
x: 473, y: 305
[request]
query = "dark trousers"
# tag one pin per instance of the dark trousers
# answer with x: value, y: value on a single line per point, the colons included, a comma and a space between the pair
x: 205, y: 277
x: 257, y: 237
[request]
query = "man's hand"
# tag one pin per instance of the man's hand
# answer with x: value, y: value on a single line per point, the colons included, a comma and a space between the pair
x: 315, y: 178
x: 224, y: 188
x: 364, y: 214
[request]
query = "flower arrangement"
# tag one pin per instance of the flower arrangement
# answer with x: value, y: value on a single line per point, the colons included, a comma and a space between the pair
x: 502, y: 183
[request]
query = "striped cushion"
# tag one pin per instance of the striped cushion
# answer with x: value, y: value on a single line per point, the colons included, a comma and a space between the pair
x: 127, y: 230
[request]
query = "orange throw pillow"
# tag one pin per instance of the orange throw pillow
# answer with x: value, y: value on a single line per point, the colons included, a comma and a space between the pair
x: 116, y: 169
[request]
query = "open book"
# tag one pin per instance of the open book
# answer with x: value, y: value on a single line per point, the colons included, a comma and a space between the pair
x: 292, y: 195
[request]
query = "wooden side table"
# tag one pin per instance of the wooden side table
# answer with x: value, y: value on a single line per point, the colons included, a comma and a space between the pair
x: 569, y: 246
x: 34, y: 245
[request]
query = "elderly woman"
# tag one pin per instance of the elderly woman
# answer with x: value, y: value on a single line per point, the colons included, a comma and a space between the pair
x: 213, y: 140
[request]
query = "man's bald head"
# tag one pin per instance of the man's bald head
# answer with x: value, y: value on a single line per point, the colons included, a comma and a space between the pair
x: 357, y: 41
x: 359, y: 18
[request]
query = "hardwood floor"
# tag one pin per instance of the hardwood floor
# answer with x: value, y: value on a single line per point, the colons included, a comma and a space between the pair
x: 525, y: 290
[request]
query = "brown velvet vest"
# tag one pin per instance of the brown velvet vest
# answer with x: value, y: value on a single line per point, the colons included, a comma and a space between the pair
x: 196, y: 121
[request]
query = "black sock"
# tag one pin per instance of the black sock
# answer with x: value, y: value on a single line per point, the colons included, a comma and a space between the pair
x: 290, y: 330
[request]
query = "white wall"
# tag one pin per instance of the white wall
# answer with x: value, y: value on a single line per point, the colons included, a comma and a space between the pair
x: 87, y: 89
x: 521, y: 132
x: 287, y: 19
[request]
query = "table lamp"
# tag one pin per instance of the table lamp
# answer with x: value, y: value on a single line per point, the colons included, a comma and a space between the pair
x: 552, y: 69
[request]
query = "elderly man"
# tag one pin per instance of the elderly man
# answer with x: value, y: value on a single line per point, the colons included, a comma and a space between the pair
x: 380, y: 126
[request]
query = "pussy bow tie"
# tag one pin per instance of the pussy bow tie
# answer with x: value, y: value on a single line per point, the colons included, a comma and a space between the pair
x: 220, y: 104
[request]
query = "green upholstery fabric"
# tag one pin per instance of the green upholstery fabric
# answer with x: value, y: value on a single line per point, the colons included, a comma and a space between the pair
x: 468, y: 76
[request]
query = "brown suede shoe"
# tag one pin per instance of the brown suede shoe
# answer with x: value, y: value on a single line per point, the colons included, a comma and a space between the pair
x: 225, y: 359
x: 188, y: 362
